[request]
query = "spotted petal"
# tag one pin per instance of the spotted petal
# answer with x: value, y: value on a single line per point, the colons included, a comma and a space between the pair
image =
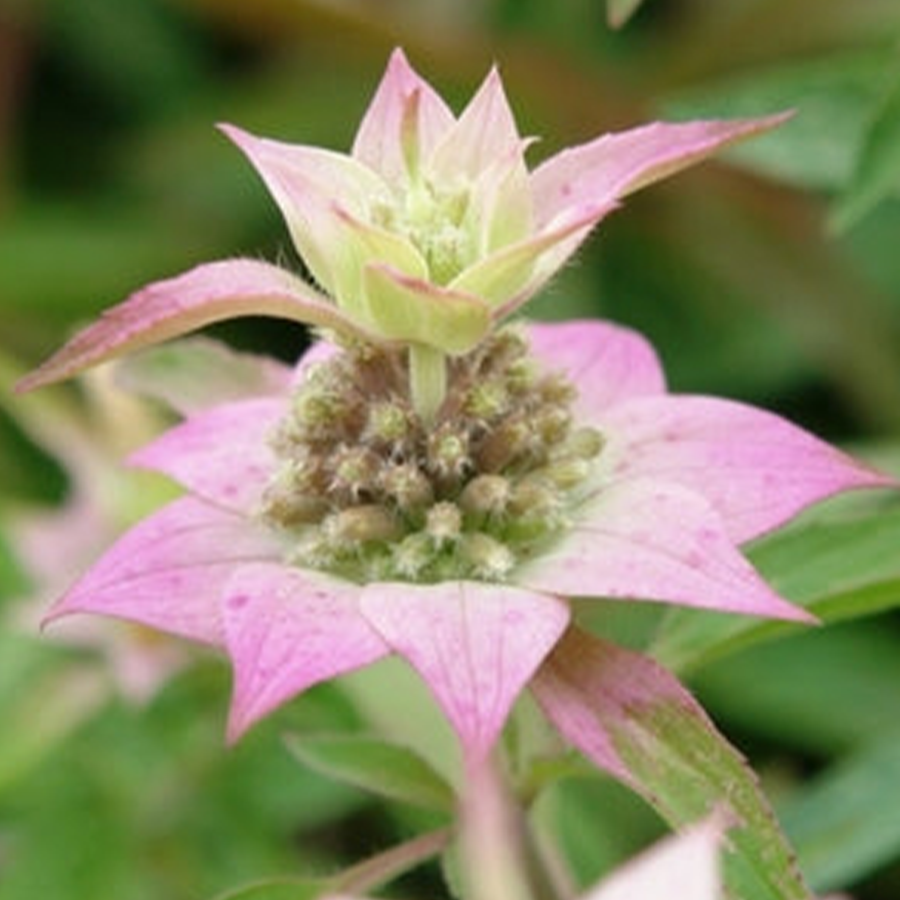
x: 615, y: 165
x: 476, y: 645
x: 203, y: 295
x: 286, y: 630
x: 652, y: 540
x: 221, y: 455
x: 607, y: 363
x: 757, y: 469
x: 169, y: 571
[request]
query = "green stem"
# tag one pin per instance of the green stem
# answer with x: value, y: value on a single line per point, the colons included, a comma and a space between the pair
x: 384, y: 867
x: 428, y: 380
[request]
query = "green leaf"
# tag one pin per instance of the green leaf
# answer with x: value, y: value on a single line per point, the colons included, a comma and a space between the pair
x: 375, y: 765
x: 635, y: 720
x: 837, y: 566
x: 195, y: 373
x: 845, y: 824
x: 877, y: 172
x: 832, y: 95
x: 820, y: 692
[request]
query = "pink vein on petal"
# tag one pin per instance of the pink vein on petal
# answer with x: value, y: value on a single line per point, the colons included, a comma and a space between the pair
x: 756, y: 469
x: 607, y: 363
x: 168, y: 571
x: 475, y: 645
x: 653, y: 540
x: 286, y: 630
x: 222, y: 454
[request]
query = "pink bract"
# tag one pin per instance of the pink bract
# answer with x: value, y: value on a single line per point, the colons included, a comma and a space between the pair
x: 428, y: 233
x: 205, y: 567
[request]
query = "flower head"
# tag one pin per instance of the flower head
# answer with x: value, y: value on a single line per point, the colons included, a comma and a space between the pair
x: 437, y: 485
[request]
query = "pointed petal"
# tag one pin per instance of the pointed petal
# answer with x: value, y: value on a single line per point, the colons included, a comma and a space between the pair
x: 683, y: 866
x: 476, y: 645
x: 411, y: 309
x: 615, y: 165
x: 197, y: 373
x: 634, y: 720
x: 221, y: 455
x: 509, y: 277
x: 606, y: 363
x: 208, y: 293
x: 286, y: 630
x: 485, y: 133
x: 326, y: 198
x: 379, y: 140
x: 755, y: 468
x: 168, y: 571
x: 653, y: 540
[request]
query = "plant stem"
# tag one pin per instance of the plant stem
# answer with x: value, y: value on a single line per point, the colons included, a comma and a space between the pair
x: 384, y: 867
x: 428, y: 380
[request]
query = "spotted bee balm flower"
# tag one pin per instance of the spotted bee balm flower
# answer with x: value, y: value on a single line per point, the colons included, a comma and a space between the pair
x: 432, y: 481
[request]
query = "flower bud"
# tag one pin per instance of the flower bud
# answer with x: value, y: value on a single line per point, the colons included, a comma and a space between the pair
x: 443, y: 522
x: 362, y: 525
x: 485, y: 494
x: 407, y: 486
x: 488, y: 558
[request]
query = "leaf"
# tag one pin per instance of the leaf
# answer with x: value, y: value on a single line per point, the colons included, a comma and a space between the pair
x: 193, y: 374
x: 618, y: 12
x: 831, y: 93
x: 845, y: 824
x: 838, y: 567
x: 775, y: 691
x: 877, y: 172
x: 635, y: 721
x: 375, y: 765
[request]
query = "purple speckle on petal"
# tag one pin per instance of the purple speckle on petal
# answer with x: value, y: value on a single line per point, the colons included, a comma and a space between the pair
x: 238, y: 601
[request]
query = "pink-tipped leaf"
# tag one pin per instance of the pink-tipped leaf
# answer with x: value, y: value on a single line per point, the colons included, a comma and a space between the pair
x: 203, y: 295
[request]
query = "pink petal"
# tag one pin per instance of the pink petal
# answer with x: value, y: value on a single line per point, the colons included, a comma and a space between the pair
x: 288, y: 629
x: 168, y: 571
x: 484, y: 134
x: 222, y: 455
x: 325, y: 199
x: 205, y: 294
x: 653, y: 540
x: 476, y: 645
x: 379, y: 140
x: 755, y: 468
x: 686, y: 865
x: 618, y: 164
x: 509, y: 277
x: 607, y: 363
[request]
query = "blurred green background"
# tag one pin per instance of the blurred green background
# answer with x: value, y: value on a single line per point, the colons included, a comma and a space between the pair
x: 772, y: 275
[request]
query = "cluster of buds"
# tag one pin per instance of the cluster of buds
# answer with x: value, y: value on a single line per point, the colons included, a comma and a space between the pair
x: 365, y: 489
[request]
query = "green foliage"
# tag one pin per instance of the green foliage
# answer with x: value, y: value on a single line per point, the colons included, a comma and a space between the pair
x: 386, y: 769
